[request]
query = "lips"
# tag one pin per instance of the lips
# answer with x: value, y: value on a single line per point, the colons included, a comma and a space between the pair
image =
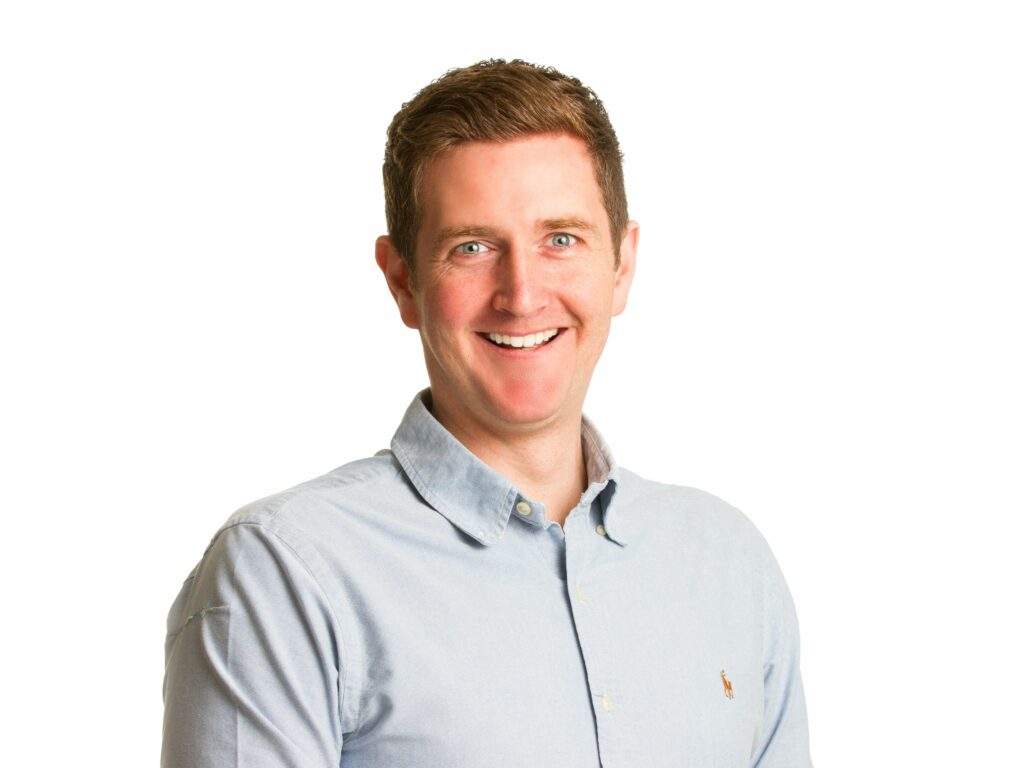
x: 524, y: 341
x: 507, y: 350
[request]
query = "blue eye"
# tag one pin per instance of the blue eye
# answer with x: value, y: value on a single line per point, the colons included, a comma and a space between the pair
x: 565, y: 234
x: 472, y: 242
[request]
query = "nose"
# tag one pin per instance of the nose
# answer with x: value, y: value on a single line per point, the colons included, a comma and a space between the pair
x: 520, y: 288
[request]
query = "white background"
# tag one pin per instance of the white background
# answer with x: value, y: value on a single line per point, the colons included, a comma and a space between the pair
x: 825, y: 327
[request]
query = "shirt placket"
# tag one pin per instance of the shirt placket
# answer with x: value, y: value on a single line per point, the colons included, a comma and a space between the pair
x: 585, y: 543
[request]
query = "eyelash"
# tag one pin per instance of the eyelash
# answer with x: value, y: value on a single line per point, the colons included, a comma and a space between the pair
x: 556, y: 234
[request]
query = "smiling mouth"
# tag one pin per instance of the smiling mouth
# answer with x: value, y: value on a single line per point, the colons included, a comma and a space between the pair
x: 520, y: 343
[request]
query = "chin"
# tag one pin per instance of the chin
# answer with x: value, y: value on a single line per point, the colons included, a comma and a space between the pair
x: 525, y: 404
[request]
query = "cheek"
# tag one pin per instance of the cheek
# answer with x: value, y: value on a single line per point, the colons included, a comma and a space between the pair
x: 451, y: 307
x: 590, y: 297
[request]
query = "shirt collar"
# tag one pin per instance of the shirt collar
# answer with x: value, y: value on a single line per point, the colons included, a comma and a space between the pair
x: 472, y: 495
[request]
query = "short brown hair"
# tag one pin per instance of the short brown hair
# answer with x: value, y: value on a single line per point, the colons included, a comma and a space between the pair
x: 494, y: 100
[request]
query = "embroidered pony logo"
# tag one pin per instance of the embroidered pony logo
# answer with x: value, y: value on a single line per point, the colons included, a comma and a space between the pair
x: 726, y: 685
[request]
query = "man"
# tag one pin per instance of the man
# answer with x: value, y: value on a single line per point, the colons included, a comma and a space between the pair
x: 493, y: 590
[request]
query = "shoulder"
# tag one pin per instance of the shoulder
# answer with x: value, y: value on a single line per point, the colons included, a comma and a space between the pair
x: 306, y: 505
x: 304, y: 516
x: 694, y: 509
x: 299, y: 519
x: 693, y: 522
x: 699, y: 527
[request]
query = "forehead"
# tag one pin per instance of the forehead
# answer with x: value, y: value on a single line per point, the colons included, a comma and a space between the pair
x: 532, y: 177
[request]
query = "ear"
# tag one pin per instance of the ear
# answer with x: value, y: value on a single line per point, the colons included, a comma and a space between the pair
x: 627, y: 266
x: 396, y: 273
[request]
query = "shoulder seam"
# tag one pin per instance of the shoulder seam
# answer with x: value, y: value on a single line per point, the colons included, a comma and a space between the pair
x: 268, y: 526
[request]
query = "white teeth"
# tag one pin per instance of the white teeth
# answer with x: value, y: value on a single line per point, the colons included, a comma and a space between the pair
x: 530, y: 340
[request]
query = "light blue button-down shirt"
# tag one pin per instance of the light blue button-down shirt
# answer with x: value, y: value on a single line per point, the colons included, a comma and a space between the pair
x: 414, y: 608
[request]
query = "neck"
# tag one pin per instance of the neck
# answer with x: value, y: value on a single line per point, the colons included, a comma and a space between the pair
x: 546, y: 463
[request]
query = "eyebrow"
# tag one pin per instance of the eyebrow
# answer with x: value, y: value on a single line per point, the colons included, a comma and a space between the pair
x: 563, y: 222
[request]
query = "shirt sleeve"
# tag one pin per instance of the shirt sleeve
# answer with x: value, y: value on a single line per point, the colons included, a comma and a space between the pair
x: 783, y: 739
x: 251, y: 660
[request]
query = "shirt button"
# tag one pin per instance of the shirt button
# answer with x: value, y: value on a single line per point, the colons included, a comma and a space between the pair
x: 606, y: 702
x: 600, y: 530
x: 523, y: 508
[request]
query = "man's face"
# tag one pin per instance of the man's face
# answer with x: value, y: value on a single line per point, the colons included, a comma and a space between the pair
x: 515, y: 241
